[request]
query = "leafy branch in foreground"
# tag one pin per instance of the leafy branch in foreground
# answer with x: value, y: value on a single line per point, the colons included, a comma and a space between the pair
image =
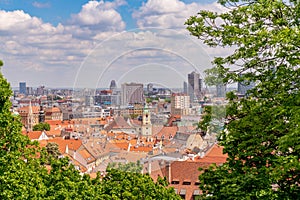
x: 262, y: 134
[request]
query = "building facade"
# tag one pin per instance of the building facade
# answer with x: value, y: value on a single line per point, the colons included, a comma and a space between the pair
x: 180, y: 104
x: 22, y: 88
x: 194, y: 86
x: 132, y: 93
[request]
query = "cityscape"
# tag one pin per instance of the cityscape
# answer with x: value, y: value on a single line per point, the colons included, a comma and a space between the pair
x: 149, y: 99
x: 156, y: 127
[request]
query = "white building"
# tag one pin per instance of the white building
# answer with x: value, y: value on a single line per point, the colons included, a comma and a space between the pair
x: 180, y: 104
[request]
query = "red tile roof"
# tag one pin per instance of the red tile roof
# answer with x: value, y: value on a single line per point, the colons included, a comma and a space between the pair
x: 167, y: 131
x: 33, y: 135
x: 62, y: 143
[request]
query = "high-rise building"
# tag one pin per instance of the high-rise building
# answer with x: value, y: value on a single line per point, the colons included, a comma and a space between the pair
x: 221, y: 90
x: 185, y: 87
x: 194, y: 86
x: 180, y: 104
x: 132, y: 93
x: 22, y: 88
x: 113, y: 85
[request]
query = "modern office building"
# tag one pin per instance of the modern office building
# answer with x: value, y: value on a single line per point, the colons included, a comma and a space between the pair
x: 132, y: 93
x: 22, y: 88
x: 185, y: 87
x: 194, y: 86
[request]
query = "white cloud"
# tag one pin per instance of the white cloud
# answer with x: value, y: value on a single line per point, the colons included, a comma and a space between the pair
x: 100, y: 15
x: 169, y: 13
x: 50, y: 54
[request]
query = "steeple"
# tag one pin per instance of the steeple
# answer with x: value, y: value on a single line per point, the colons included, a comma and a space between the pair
x: 30, y: 118
x: 146, y: 122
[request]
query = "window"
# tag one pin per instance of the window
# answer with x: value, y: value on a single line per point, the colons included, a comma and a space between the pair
x: 186, y: 183
x: 175, y: 182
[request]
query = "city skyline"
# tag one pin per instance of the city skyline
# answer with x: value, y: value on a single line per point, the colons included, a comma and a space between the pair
x: 85, y: 43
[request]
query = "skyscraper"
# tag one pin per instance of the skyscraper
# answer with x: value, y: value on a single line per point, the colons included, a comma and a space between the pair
x: 132, y: 93
x: 22, y: 88
x: 113, y: 85
x: 194, y: 86
x: 221, y: 90
x: 185, y: 87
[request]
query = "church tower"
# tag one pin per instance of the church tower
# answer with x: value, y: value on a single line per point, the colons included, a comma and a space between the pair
x: 30, y: 118
x: 146, y: 122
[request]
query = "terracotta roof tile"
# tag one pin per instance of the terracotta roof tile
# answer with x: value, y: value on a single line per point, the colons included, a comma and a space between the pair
x: 62, y: 143
x: 86, y: 155
x: 34, y: 135
x: 167, y: 132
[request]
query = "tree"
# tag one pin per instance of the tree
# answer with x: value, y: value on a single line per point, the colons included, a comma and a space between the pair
x: 52, y: 149
x: 119, y: 184
x: 127, y: 167
x: 44, y: 126
x: 261, y: 135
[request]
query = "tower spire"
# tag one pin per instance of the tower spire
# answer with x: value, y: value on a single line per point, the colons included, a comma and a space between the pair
x: 30, y: 117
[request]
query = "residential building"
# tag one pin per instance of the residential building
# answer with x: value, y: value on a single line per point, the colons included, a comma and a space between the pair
x: 180, y: 104
x: 53, y: 113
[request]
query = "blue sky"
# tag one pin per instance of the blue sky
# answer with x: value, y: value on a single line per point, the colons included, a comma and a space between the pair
x: 50, y: 42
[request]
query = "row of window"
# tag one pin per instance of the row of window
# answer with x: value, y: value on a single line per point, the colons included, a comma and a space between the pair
x: 175, y: 182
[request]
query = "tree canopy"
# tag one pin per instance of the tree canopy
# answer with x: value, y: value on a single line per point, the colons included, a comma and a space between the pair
x: 262, y: 134
x: 29, y: 172
x: 44, y: 126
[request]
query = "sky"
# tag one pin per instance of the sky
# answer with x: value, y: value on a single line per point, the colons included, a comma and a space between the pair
x: 80, y: 43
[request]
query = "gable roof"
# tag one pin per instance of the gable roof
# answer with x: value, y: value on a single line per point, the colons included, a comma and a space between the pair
x: 167, y: 131
x: 34, y: 135
x: 62, y: 143
x: 118, y: 123
x: 86, y: 155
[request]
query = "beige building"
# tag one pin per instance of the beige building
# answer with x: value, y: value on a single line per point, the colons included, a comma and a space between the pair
x: 53, y: 113
x: 180, y: 104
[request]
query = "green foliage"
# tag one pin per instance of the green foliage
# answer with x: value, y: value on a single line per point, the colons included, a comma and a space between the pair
x: 44, y: 126
x: 261, y: 136
x: 126, y: 167
x: 28, y: 172
x: 118, y: 184
x: 52, y: 149
x: 212, y: 118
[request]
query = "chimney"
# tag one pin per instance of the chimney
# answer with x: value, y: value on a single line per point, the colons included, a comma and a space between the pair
x: 168, y: 171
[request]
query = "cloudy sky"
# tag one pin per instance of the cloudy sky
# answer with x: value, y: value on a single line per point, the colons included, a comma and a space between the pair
x: 80, y: 43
